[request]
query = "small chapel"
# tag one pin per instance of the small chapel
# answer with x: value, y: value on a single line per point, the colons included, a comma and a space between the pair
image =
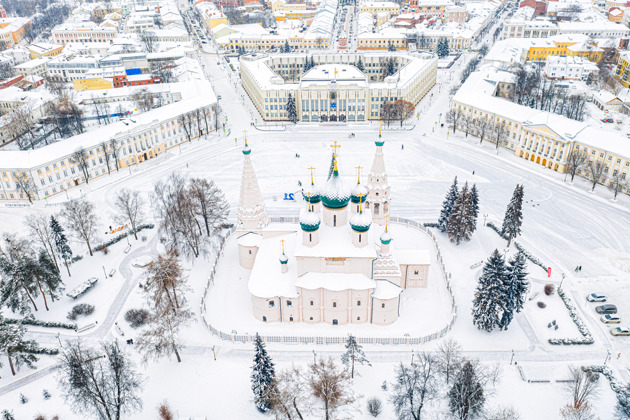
x: 338, y: 264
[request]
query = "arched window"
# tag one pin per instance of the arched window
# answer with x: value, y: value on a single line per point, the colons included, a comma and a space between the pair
x: 334, y: 220
x: 359, y: 238
x: 310, y: 237
x: 264, y: 319
x: 334, y: 304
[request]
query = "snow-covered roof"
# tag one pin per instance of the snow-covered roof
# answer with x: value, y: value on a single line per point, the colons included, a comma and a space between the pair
x: 250, y: 239
x: 412, y: 256
x: 335, y: 281
x: 267, y: 279
x: 386, y: 290
x: 337, y: 243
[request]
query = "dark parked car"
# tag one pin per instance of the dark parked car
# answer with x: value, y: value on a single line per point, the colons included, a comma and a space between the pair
x: 606, y: 309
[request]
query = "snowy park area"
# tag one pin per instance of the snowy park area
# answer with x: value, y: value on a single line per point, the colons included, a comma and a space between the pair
x: 574, y: 236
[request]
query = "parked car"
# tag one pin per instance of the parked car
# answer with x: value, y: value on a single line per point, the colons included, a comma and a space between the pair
x: 610, y: 319
x: 620, y: 331
x: 608, y: 120
x: 606, y: 309
x: 596, y: 297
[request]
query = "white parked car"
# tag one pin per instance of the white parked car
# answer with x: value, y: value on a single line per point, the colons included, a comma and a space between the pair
x: 596, y: 297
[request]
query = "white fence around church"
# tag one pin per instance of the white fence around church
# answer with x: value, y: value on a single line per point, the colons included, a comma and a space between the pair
x: 408, y: 340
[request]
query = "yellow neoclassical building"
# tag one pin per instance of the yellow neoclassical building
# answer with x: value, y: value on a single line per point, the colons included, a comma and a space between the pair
x: 55, y: 168
x: 541, y: 137
x: 622, y: 73
x: 574, y: 45
x: 336, y: 265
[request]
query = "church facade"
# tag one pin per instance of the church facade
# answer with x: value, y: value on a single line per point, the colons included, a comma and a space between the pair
x: 337, y: 264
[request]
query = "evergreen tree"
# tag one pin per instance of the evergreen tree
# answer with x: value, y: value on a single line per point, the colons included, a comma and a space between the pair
x: 516, y: 281
x: 17, y: 350
x: 442, y: 49
x: 514, y: 289
x: 359, y: 64
x: 7, y: 415
x: 623, y: 403
x: 474, y: 203
x: 488, y: 302
x: 391, y: 68
x: 461, y: 222
x: 466, y: 397
x: 17, y: 284
x: 354, y: 354
x: 263, y: 376
x: 291, y: 111
x: 61, y: 242
x: 447, y: 207
x: 513, y: 215
x: 287, y: 48
x: 390, y: 47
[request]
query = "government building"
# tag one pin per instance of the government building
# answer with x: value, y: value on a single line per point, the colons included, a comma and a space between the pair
x: 335, y: 87
x: 337, y: 265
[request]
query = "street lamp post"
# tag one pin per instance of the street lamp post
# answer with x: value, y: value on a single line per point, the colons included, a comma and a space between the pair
x: 563, y: 276
x: 484, y: 218
x: 314, y: 357
x: 105, y: 272
x: 607, y: 356
x: 512, y: 359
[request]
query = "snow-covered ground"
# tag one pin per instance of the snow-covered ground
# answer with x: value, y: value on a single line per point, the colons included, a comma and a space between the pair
x: 565, y: 225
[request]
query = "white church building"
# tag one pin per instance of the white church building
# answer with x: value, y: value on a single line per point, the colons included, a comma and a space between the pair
x: 338, y: 265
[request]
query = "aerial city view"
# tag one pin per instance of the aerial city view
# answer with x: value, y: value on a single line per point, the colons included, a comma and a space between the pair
x: 314, y: 209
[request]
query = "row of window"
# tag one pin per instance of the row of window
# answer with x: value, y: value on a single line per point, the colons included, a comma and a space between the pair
x: 312, y: 303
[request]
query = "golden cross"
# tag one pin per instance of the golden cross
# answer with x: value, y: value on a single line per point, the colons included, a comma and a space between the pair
x: 386, y: 222
x: 335, y: 146
x: 311, y: 169
x: 379, y: 128
x: 245, y: 133
x: 282, y: 241
x: 359, y: 173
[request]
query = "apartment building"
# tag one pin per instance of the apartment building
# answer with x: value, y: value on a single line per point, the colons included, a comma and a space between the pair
x: 77, y: 32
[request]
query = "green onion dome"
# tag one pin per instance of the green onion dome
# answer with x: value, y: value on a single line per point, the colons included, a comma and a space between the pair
x: 386, y: 238
x: 334, y: 194
x: 246, y: 150
x: 359, y: 193
x: 360, y: 222
x: 284, y: 259
x: 379, y: 142
x: 312, y: 192
x: 309, y: 220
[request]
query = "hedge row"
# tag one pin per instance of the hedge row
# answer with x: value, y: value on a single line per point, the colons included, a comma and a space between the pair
x: 42, y: 350
x: 122, y: 236
x: 497, y: 230
x: 607, y: 372
x: 581, y: 326
x: 38, y: 323
x: 518, y: 246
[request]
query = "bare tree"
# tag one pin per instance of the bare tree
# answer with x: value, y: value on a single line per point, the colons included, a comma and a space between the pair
x: 211, y: 204
x: 39, y: 227
x: 582, y: 385
x: 416, y: 385
x: 82, y: 160
x: 618, y: 183
x: 107, y: 156
x: 449, y: 358
x: 290, y: 394
x: 453, y: 117
x: 402, y: 110
x: 165, y: 294
x: 80, y: 216
x: 25, y: 184
x: 575, y: 160
x: 595, y: 171
x: 331, y: 386
x: 500, y: 132
x: 129, y: 205
x: 113, y: 148
x: 100, y: 383
x: 481, y: 127
x: 143, y: 99
x: 185, y: 121
x: 504, y: 413
x: 387, y: 112
x: 148, y: 40
x: 584, y: 412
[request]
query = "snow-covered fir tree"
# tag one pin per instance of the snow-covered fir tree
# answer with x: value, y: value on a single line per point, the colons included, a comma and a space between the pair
x: 514, y: 215
x: 286, y: 48
x: 291, y: 111
x: 61, y: 242
x: 354, y: 354
x: 359, y: 64
x: 488, y: 303
x: 442, y: 49
x: 516, y: 281
x: 461, y: 222
x: 447, y: 207
x: 263, y: 375
x: 623, y: 403
x: 474, y: 204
